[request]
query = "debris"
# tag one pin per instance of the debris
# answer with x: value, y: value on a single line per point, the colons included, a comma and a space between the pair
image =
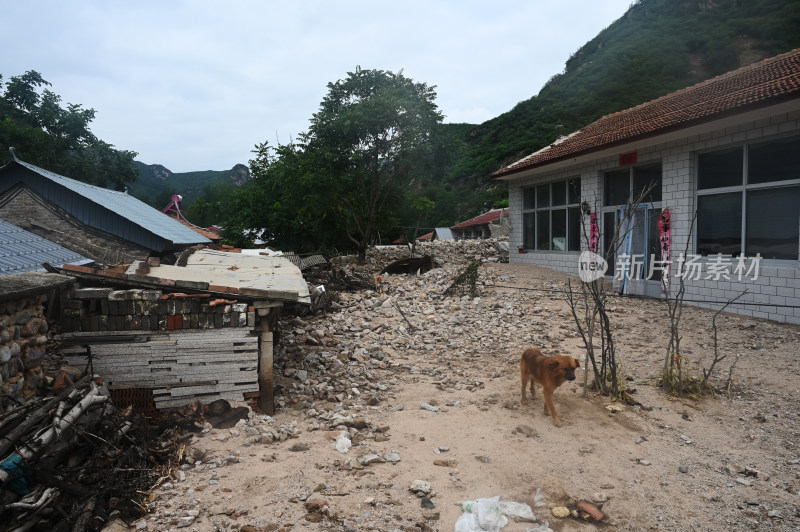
x: 412, y: 265
x: 560, y: 512
x: 491, y: 514
x: 342, y: 443
x: 590, y: 509
x: 420, y: 486
x: 82, y: 455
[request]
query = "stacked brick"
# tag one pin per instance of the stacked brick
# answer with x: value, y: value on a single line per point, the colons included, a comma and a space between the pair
x: 23, y: 336
x: 105, y: 309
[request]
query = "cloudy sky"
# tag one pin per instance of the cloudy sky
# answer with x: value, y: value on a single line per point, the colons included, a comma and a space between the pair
x: 194, y: 85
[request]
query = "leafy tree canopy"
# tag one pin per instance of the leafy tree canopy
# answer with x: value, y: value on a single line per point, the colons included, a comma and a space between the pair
x: 57, y: 138
x: 371, y: 137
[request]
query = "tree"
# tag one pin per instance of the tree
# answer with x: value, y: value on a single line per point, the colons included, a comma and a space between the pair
x: 46, y: 134
x: 421, y: 206
x: 372, y: 134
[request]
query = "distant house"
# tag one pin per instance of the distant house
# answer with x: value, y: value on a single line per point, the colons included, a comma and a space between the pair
x: 104, y: 225
x: 726, y: 150
x: 480, y: 226
x: 21, y: 252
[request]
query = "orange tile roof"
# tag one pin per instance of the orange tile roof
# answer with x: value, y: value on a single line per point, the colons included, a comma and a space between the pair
x: 761, y: 84
x: 206, y: 233
x: 482, y: 219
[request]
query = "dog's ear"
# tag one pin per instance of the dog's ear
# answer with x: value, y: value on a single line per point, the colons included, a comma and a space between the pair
x: 554, y: 364
x: 577, y: 362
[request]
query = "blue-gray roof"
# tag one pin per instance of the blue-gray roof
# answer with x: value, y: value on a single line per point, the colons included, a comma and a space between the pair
x: 22, y: 251
x: 444, y: 233
x: 110, y: 208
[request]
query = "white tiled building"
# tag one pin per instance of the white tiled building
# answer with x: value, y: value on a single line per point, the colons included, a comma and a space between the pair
x: 727, y: 149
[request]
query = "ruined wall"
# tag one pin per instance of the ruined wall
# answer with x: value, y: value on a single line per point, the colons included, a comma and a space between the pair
x: 105, y: 309
x: 174, y: 348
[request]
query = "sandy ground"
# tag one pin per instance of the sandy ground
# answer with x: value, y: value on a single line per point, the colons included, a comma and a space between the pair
x: 717, y: 463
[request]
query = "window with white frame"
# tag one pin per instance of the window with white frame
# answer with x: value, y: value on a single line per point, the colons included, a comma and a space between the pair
x: 748, y: 200
x: 551, y: 216
x: 638, y: 187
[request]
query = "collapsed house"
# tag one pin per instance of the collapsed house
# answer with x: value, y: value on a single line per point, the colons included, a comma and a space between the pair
x: 159, y: 334
x: 177, y: 334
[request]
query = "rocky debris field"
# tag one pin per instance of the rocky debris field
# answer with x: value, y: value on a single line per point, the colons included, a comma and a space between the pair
x: 400, y: 405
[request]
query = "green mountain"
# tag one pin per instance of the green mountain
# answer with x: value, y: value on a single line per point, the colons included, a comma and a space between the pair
x: 656, y: 47
x: 157, y: 184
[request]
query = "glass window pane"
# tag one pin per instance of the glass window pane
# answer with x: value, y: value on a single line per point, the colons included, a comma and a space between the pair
x: 528, y: 234
x: 528, y: 198
x: 774, y: 161
x: 560, y: 193
x: 543, y: 196
x: 559, y: 232
x: 574, y: 189
x: 609, y: 228
x: 543, y: 230
x: 719, y: 224
x: 618, y: 187
x: 574, y: 229
x: 773, y: 216
x: 653, y: 247
x: 647, y: 177
x: 719, y: 169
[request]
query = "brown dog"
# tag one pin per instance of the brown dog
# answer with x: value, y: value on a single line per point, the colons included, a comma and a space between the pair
x: 550, y: 372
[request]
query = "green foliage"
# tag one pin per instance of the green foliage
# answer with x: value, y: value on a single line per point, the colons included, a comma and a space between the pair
x: 156, y: 183
x: 466, y: 282
x: 350, y: 182
x: 657, y: 47
x: 372, y: 135
x: 44, y: 133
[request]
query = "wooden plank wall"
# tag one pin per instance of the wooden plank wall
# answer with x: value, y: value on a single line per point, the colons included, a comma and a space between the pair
x: 179, y: 366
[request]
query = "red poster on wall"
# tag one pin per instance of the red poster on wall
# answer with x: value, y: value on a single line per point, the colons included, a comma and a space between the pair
x: 665, y: 247
x: 594, y: 233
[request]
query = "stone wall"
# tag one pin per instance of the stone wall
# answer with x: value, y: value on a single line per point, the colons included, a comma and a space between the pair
x: 23, y: 337
x: 25, y: 209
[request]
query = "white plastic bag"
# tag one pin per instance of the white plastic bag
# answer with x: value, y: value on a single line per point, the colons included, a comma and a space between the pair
x: 342, y: 443
x: 490, y: 515
x: 482, y: 515
x: 518, y: 510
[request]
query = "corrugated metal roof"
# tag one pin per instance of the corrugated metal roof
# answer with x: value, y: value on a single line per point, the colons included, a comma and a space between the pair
x: 444, y: 233
x: 126, y: 206
x: 22, y: 251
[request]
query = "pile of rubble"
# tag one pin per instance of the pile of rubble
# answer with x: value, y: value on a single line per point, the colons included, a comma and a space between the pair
x: 444, y: 252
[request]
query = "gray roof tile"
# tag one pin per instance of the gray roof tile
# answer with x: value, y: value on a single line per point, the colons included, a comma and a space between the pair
x: 22, y: 251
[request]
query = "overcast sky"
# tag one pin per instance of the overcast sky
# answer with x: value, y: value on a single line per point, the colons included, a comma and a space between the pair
x: 194, y: 85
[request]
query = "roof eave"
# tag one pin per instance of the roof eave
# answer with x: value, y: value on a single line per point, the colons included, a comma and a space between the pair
x: 777, y: 105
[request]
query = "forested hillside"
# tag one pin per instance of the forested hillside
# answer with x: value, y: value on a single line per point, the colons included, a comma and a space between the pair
x: 657, y: 47
x: 157, y: 184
